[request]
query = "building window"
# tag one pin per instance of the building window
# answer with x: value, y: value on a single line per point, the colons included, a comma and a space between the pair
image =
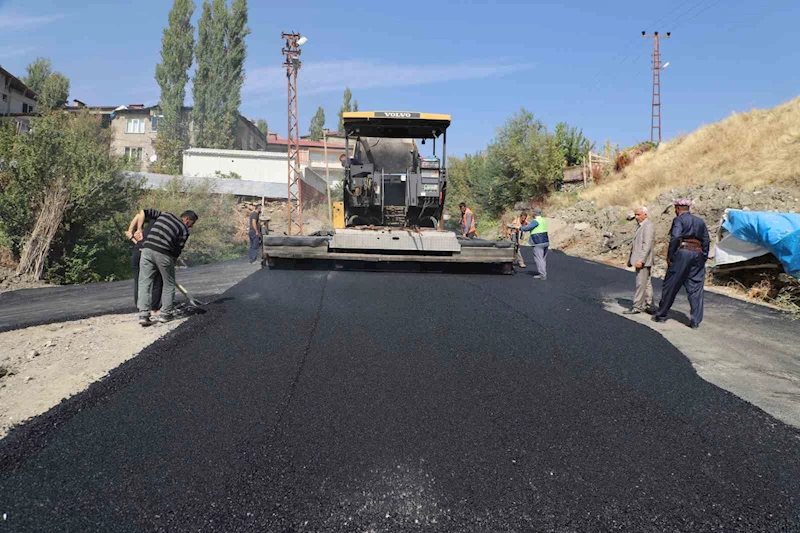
x: 154, y: 121
x: 134, y: 125
x: 24, y: 108
x: 133, y: 154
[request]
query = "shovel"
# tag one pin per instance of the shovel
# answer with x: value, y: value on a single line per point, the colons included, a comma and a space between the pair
x: 194, y: 303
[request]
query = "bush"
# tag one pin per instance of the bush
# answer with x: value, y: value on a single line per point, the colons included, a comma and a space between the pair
x: 626, y: 157
x: 213, y: 237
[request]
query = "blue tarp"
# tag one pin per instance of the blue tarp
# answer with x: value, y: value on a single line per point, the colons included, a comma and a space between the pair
x: 777, y: 232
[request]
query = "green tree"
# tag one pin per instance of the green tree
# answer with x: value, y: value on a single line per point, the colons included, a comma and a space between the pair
x: 572, y: 143
x: 55, y: 92
x: 236, y: 53
x: 317, y: 125
x: 355, y: 105
x: 172, y: 74
x: 529, y: 160
x: 38, y: 71
x: 220, y: 53
x: 262, y: 125
x: 346, y: 107
x: 63, y: 181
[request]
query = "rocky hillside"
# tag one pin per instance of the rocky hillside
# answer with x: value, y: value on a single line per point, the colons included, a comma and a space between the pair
x: 748, y: 161
x: 604, y: 234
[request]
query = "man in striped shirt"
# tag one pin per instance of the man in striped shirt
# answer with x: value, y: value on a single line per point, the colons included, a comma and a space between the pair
x: 160, y: 252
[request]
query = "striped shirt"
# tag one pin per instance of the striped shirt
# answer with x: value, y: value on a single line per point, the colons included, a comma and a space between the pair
x: 168, y: 233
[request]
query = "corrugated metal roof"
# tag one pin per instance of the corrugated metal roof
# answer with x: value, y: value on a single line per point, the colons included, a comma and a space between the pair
x: 253, y: 154
x: 277, y: 191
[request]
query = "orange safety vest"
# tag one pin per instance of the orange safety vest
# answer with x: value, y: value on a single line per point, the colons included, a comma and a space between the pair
x: 471, y: 228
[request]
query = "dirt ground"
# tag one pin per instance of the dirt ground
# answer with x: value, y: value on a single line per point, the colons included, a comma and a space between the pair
x: 43, y: 365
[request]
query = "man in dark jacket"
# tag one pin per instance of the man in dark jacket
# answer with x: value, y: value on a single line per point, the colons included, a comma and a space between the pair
x: 160, y: 252
x: 254, y: 233
x: 686, y: 259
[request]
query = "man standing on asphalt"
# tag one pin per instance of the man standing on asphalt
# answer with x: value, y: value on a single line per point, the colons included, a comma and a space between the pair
x: 160, y: 252
x: 255, y: 234
x: 641, y: 258
x: 540, y: 242
x: 135, y: 228
x: 688, y: 251
x: 467, y: 224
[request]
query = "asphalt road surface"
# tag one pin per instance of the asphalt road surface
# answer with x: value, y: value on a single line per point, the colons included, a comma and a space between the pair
x: 33, y: 307
x: 360, y: 401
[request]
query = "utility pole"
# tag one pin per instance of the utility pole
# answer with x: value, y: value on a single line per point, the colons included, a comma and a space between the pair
x: 327, y: 175
x: 294, y: 198
x: 655, y: 115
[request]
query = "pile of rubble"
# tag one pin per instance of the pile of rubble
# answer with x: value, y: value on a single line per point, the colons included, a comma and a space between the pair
x: 275, y: 214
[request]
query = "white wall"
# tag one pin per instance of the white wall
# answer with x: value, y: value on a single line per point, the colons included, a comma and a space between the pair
x: 250, y: 165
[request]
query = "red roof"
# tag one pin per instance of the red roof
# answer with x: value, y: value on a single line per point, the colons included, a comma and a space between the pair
x: 305, y: 143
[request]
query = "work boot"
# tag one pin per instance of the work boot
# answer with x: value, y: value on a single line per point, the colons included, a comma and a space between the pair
x: 658, y: 319
x: 163, y: 318
x: 144, y: 320
x: 694, y: 325
x: 633, y: 311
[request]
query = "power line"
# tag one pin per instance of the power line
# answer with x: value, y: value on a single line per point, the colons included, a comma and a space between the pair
x: 700, y: 12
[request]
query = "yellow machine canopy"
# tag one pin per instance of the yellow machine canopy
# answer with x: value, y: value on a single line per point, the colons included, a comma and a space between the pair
x: 395, y: 124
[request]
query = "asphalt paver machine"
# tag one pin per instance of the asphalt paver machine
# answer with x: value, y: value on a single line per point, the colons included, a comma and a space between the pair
x: 393, y: 198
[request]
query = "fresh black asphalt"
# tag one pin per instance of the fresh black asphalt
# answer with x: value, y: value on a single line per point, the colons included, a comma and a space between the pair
x: 363, y: 401
x: 33, y: 307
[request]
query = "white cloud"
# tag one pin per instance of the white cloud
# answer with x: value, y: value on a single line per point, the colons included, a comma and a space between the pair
x: 335, y: 75
x: 12, y: 22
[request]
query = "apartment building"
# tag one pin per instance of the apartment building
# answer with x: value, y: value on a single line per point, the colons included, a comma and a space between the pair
x: 135, y: 128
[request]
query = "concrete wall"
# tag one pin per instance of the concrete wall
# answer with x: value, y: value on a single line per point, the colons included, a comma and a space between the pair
x: 11, y: 100
x: 250, y: 165
x: 248, y: 137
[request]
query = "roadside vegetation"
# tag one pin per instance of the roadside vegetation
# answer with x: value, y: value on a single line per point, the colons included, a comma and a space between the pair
x: 524, y: 162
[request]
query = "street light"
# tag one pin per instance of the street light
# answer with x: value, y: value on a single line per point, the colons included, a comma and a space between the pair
x: 302, y: 40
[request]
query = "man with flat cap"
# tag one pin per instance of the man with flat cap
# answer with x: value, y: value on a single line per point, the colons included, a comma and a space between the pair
x: 686, y: 257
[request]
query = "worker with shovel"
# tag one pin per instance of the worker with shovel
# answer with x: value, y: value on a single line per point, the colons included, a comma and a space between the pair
x: 160, y: 251
x: 136, y: 255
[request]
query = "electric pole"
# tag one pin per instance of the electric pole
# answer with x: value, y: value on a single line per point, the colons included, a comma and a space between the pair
x: 294, y: 198
x: 655, y: 115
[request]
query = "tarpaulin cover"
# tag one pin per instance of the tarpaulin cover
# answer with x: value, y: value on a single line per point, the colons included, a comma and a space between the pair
x: 777, y: 232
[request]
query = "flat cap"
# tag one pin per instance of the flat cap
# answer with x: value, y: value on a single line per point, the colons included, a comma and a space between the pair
x: 682, y: 202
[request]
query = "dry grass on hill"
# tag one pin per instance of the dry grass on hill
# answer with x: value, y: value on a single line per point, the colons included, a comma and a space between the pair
x: 747, y: 150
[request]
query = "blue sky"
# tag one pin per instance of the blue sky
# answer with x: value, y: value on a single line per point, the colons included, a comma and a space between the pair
x: 583, y: 62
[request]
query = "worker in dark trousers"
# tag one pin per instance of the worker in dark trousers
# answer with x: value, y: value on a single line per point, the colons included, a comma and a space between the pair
x: 540, y: 241
x: 255, y: 234
x: 136, y: 255
x: 686, y: 259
